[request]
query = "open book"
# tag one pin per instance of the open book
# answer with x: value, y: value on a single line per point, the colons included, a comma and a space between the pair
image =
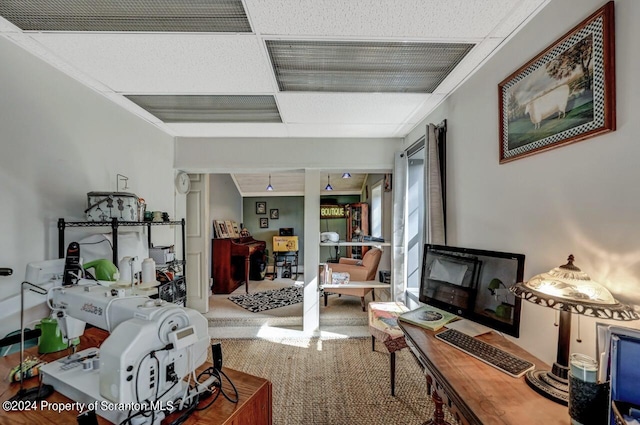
x: 429, y: 317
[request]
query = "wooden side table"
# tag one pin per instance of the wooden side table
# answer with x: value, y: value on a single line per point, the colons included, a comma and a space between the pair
x: 383, y: 324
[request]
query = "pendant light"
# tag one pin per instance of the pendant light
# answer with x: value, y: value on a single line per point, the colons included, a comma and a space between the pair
x: 328, y: 186
x: 269, y: 188
x: 346, y: 175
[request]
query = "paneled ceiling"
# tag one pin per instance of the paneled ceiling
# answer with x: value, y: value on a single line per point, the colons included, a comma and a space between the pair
x: 292, y: 184
x: 269, y: 68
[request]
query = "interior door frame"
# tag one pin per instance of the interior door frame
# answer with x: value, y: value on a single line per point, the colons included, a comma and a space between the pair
x: 198, y: 243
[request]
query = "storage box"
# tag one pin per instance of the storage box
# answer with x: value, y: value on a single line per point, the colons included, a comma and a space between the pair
x: 162, y: 254
x: 103, y: 206
x: 285, y: 243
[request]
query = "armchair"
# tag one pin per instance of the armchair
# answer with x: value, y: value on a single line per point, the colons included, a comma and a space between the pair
x: 359, y: 271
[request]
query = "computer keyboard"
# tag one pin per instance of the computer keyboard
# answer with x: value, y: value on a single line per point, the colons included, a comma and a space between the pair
x: 493, y: 356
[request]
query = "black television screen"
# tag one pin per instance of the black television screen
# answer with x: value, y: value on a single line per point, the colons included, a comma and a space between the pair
x: 473, y: 284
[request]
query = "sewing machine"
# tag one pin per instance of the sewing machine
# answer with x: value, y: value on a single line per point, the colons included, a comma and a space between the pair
x: 152, y: 346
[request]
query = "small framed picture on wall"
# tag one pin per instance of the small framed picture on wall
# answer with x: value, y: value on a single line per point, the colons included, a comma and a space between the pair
x: 264, y: 223
x: 261, y: 207
x: 274, y: 214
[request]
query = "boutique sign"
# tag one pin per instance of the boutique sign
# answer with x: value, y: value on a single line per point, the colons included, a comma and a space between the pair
x: 332, y: 211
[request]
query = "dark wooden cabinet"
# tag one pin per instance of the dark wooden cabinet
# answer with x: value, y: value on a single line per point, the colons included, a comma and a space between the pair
x: 230, y: 262
x: 357, y: 227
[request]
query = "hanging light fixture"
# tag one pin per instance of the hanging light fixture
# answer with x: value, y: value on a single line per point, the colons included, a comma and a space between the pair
x: 346, y: 175
x: 328, y: 186
x: 269, y: 187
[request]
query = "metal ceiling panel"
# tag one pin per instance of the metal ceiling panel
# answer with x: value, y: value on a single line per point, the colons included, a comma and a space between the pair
x: 209, y: 108
x: 333, y: 66
x: 127, y: 15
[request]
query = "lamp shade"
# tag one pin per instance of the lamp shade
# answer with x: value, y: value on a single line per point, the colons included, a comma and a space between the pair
x: 570, y: 289
x: 328, y: 186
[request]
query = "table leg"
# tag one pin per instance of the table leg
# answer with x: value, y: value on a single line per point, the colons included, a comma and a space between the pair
x: 438, y: 415
x: 275, y: 268
x: 392, y: 364
x: 364, y: 307
x: 373, y: 343
x: 247, y: 263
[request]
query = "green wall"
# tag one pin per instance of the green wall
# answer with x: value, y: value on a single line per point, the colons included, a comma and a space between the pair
x: 291, y: 214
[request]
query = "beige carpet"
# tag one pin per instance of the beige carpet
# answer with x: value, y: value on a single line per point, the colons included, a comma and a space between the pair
x: 334, y: 381
x: 342, y: 316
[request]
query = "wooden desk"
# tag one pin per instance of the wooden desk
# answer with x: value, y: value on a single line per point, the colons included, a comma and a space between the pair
x: 253, y: 407
x: 477, y: 393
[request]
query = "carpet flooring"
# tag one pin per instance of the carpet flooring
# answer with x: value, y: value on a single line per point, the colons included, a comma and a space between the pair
x: 342, y: 315
x: 267, y: 300
x: 334, y: 381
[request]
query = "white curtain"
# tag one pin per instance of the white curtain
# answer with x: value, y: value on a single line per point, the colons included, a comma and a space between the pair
x: 434, y: 208
x: 399, y: 266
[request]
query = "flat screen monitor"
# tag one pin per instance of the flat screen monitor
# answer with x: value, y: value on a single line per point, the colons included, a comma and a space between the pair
x: 473, y: 284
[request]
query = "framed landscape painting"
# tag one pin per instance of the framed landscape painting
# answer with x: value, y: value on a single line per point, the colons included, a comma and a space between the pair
x: 563, y: 95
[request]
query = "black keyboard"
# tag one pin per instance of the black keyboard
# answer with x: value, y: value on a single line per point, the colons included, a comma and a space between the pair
x: 493, y: 356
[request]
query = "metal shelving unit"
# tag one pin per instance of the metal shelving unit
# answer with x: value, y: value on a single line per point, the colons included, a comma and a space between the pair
x: 173, y: 291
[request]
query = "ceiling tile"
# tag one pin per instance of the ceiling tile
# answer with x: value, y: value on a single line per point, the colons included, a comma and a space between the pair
x: 424, y: 19
x: 161, y: 63
x: 351, y: 108
x: 355, y: 66
x: 209, y: 108
x: 125, y: 15
x: 164, y: 63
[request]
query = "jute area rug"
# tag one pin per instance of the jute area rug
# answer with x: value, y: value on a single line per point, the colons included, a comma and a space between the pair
x: 334, y: 381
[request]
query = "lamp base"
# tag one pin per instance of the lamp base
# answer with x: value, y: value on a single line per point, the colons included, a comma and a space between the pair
x: 550, y: 384
x: 33, y: 394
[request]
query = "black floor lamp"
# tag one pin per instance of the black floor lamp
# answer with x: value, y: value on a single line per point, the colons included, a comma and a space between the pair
x: 42, y: 391
x: 567, y: 289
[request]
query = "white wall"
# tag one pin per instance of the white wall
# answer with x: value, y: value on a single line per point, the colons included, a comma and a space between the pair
x: 581, y: 199
x: 249, y: 155
x: 60, y: 140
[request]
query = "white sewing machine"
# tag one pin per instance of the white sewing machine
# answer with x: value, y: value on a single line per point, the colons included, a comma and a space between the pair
x: 153, y: 345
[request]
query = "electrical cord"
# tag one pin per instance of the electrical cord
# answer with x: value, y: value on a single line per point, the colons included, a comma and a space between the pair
x: 149, y: 412
x: 194, y: 406
x: 98, y: 242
